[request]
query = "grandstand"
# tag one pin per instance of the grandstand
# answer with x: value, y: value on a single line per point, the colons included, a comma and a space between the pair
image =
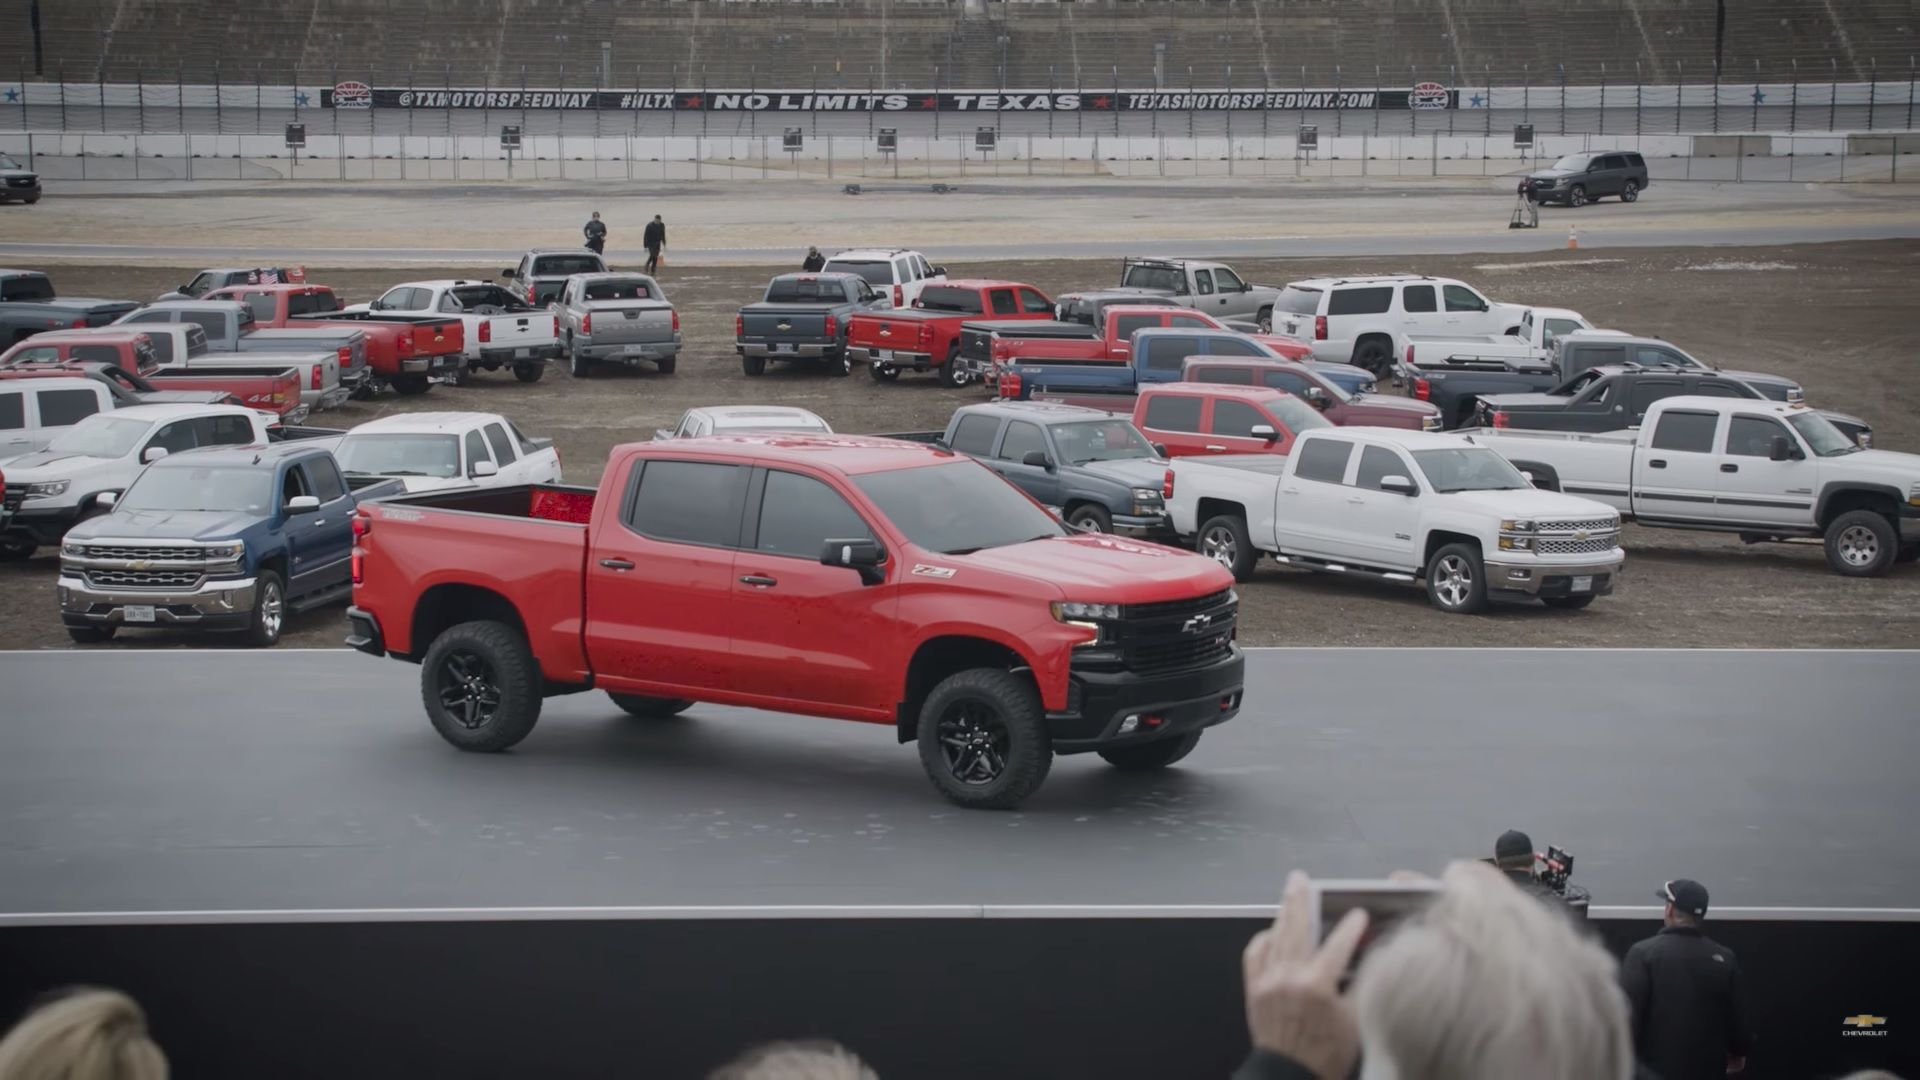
x: 954, y: 43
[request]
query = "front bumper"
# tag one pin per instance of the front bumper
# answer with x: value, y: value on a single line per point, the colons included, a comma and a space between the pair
x: 785, y: 350
x: 1544, y: 579
x: 218, y: 604
x: 898, y: 359
x: 1100, y: 702
x: 27, y: 192
x: 643, y: 350
x: 42, y: 525
x: 1144, y: 525
x: 1909, y: 524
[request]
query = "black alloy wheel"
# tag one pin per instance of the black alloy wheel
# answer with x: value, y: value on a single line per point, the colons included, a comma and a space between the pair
x: 469, y: 688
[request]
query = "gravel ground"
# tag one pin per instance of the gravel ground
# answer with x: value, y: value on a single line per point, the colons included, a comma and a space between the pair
x: 1836, y: 317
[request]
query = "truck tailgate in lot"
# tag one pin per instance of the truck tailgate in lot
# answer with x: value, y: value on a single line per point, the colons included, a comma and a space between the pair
x: 776, y: 323
x: 976, y: 338
x: 270, y: 389
x: 349, y: 346
x: 630, y: 322
x: 530, y: 330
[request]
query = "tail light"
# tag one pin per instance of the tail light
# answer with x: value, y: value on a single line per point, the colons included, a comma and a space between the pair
x: 1499, y: 418
x: 586, y: 323
x: 832, y: 327
x: 676, y: 322
x: 1002, y: 350
x: 1423, y: 390
x: 345, y: 355
x: 1009, y: 386
x: 739, y: 326
x: 315, y: 383
x: 1166, y: 485
x: 361, y: 526
x: 1319, y: 328
x: 926, y: 336
x: 405, y: 341
x: 357, y: 568
x: 1409, y: 354
x: 486, y: 332
x: 899, y: 296
x: 556, y: 325
x: 530, y: 298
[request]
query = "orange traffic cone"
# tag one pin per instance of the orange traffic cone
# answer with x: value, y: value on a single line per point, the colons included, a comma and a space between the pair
x: 1573, y: 239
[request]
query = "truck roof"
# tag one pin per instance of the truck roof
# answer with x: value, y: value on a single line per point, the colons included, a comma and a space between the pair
x: 1707, y: 403
x: 1402, y: 437
x: 176, y: 411
x: 849, y: 455
x: 95, y: 334
x: 871, y: 253
x: 5, y: 272
x: 1360, y: 279
x: 755, y: 412
x: 1041, y: 411
x: 978, y: 283
x: 249, y: 454
x: 276, y: 287
x: 424, y: 422
x: 206, y: 305
x: 1207, y: 389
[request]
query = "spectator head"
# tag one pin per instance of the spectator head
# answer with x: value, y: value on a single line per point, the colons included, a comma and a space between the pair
x: 1488, y: 982
x: 807, y: 1059
x: 1513, y: 851
x: 1686, y: 901
x: 656, y: 217
x: 86, y: 1034
x: 596, y: 215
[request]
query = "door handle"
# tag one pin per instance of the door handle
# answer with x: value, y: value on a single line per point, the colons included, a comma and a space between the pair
x: 1729, y: 467
x: 1289, y: 491
x: 1656, y: 463
x: 317, y: 522
x: 758, y: 580
x: 1356, y: 500
x: 616, y: 564
x: 1216, y: 449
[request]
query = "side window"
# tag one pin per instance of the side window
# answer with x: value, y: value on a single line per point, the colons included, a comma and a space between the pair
x: 1226, y: 280
x: 162, y: 345
x: 212, y: 323
x: 1228, y: 346
x: 1173, y: 412
x: 58, y: 408
x: 95, y: 354
x: 324, y: 475
x: 1585, y: 357
x: 900, y: 271
x: 13, y: 411
x: 1653, y: 356
x: 1752, y: 436
x: 400, y: 299
x: 1203, y: 282
x: 1377, y: 463
x: 975, y: 434
x: 1371, y: 300
x: 1125, y: 325
x: 1614, y: 161
x: 689, y: 502
x: 1461, y: 298
x: 149, y: 316
x: 173, y: 437
x: 310, y: 303
x: 1020, y: 440
x: 1236, y: 419
x: 1596, y: 392
x: 1231, y: 376
x: 1324, y: 460
x: 293, y: 484
x: 262, y: 305
x: 1170, y: 353
x: 1291, y: 382
x: 1648, y: 391
x: 799, y: 514
x: 44, y: 354
x: 476, y: 450
x: 1691, y: 432
x: 223, y: 430
x: 1003, y: 302
x: 1033, y: 303
x: 1418, y: 298
x: 502, y: 446
x: 1192, y: 321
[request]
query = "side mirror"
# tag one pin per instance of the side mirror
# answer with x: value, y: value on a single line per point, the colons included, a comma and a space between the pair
x: 106, y: 499
x: 1318, y: 398
x: 1399, y: 485
x: 153, y: 453
x: 863, y: 555
x: 939, y: 271
x: 1038, y: 459
x: 1781, y: 449
x: 1264, y: 431
x: 339, y: 303
x: 302, y: 504
x: 482, y: 469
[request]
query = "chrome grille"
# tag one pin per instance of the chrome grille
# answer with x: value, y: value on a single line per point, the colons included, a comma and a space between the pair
x: 1605, y: 524
x: 143, y: 579
x: 152, y: 554
x: 1592, y: 545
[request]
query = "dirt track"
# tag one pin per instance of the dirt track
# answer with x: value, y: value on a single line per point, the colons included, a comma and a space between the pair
x: 1838, y: 318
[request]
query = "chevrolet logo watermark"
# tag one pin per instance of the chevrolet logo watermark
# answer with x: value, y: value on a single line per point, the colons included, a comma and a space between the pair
x: 1862, y: 1023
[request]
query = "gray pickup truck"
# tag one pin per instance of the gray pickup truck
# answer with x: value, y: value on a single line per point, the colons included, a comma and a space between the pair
x: 229, y: 327
x: 622, y: 317
x: 29, y: 305
x: 803, y: 317
x: 1203, y: 286
x: 542, y: 274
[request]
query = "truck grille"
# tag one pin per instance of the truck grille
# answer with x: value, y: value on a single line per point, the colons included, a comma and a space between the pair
x: 1168, y: 608
x: 1605, y: 524
x: 155, y: 554
x: 1592, y: 545
x: 1179, y: 655
x: 19, y: 181
x: 1176, y: 635
x: 143, y: 579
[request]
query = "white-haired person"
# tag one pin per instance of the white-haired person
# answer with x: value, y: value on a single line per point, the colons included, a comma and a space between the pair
x: 800, y: 1059
x: 82, y: 1034
x: 1485, y: 982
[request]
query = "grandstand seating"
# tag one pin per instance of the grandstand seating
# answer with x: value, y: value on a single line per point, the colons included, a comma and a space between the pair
x: 899, y: 43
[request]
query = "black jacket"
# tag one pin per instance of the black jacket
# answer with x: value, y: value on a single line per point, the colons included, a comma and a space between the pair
x: 1689, y: 1007
x: 813, y: 263
x: 656, y: 235
x: 596, y: 229
x: 1268, y: 1065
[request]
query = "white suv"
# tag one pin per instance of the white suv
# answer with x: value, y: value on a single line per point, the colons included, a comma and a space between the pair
x: 893, y: 272
x: 1357, y: 320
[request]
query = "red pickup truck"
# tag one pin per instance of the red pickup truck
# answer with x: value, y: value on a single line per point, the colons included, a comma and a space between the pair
x: 840, y: 576
x: 268, y: 387
x: 926, y: 336
x: 986, y: 347
x: 1208, y: 418
x: 404, y: 351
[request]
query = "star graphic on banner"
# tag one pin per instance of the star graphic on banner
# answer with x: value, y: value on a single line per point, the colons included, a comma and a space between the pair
x: 300, y: 97
x: 930, y: 102
x: 694, y: 101
x: 1103, y: 102
x: 1474, y: 101
x: 1759, y: 96
x: 13, y: 94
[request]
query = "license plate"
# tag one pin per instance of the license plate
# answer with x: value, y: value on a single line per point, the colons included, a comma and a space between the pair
x: 885, y: 356
x: 1583, y: 584
x: 781, y: 346
x: 137, y: 613
x: 634, y: 350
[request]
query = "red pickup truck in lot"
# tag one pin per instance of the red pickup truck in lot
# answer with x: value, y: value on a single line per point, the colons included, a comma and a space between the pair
x: 267, y: 387
x: 839, y: 576
x: 1208, y: 418
x: 404, y: 351
x: 926, y: 336
x: 987, y: 346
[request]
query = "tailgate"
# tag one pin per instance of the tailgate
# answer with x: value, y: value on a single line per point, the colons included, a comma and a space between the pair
x: 892, y: 329
x: 798, y: 325
x: 519, y: 331
x: 631, y: 322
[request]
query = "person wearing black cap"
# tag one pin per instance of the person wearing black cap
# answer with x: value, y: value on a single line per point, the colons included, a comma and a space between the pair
x: 1513, y: 855
x: 1686, y: 994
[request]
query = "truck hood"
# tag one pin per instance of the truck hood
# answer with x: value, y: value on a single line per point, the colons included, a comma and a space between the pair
x: 44, y: 465
x: 1774, y: 386
x: 1900, y: 470
x: 1551, y: 174
x: 165, y: 525
x: 1133, y: 472
x: 1102, y: 569
x: 1529, y: 503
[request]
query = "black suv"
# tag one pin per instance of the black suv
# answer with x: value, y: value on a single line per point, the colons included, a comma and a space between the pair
x: 1578, y: 179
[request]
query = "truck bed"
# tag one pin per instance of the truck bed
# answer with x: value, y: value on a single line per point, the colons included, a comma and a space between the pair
x: 545, y: 502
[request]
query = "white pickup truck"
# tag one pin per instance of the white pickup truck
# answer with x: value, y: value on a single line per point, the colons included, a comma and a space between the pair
x: 1404, y: 506
x: 433, y: 451
x: 1763, y: 469
x: 502, y: 330
x: 1531, y: 340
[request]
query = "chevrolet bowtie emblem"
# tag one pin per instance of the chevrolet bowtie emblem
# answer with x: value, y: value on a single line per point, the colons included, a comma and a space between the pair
x: 139, y: 564
x: 1198, y: 622
x: 1864, y: 1020
x: 784, y: 326
x: 1579, y: 534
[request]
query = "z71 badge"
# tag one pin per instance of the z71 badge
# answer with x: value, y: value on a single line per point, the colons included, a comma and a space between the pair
x: 923, y: 570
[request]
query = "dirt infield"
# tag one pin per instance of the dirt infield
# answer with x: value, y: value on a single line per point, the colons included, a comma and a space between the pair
x: 1836, y: 317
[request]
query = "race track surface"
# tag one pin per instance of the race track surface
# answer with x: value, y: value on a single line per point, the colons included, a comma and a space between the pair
x: 310, y: 780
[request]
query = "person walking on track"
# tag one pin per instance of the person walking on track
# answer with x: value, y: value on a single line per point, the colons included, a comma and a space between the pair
x: 655, y: 240
x: 596, y: 231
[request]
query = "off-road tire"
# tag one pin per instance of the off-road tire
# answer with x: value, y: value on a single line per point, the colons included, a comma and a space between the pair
x: 91, y: 635
x: 1375, y: 356
x: 1861, y: 543
x: 1148, y: 757
x: 1265, y: 320
x: 1224, y: 539
x: 512, y: 671
x: 839, y: 365
x: 269, y: 611
x: 1009, y: 710
x: 649, y: 708
x: 1088, y: 517
x: 1456, y: 580
x: 1568, y: 603
x: 529, y: 373
x: 950, y: 374
x: 753, y: 365
x: 410, y: 384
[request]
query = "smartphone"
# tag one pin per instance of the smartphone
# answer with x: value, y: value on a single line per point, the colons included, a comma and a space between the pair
x: 1387, y: 904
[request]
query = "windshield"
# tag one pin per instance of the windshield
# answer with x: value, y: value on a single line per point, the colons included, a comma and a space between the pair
x: 1297, y: 300
x: 948, y: 298
x: 876, y: 273
x: 1468, y: 469
x: 565, y: 265
x: 399, y: 455
x: 8, y: 163
x: 1826, y: 440
x: 1573, y: 163
x: 176, y: 488
x: 1155, y: 277
x: 1100, y: 440
x: 99, y: 436
x: 957, y: 508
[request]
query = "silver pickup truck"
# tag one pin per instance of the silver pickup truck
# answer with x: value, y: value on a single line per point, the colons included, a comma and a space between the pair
x: 618, y: 316
x: 1212, y: 287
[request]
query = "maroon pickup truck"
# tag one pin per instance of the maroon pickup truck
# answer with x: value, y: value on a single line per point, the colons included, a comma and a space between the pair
x: 926, y: 336
x: 1339, y: 406
x: 985, y: 347
x: 129, y: 352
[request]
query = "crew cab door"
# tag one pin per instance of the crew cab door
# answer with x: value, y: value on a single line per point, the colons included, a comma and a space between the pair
x: 1420, y: 309
x: 659, y: 578
x: 514, y: 468
x: 1020, y: 439
x: 320, y: 542
x: 1235, y: 300
x: 1756, y: 489
x: 1676, y: 469
x: 1173, y: 420
x: 806, y: 634
x: 1230, y: 427
x: 1380, y: 526
x: 1313, y: 498
x: 17, y: 434
x: 1466, y: 311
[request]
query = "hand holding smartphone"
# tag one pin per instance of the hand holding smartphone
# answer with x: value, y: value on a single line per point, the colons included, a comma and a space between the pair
x: 1388, y: 903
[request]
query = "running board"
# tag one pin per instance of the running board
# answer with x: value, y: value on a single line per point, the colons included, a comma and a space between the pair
x: 321, y: 598
x: 1341, y: 568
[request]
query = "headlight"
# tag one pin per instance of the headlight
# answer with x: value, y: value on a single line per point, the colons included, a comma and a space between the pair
x: 1071, y: 612
x: 1516, y: 543
x: 57, y: 487
x: 73, y: 549
x: 1913, y: 494
x: 226, y: 550
x: 1146, y: 494
x: 1517, y: 525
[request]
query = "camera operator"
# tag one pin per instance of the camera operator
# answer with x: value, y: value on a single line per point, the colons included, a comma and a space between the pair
x: 1514, y: 856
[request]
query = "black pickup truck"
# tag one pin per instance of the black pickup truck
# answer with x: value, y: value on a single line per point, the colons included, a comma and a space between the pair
x: 29, y: 305
x: 803, y: 317
x: 1614, y: 397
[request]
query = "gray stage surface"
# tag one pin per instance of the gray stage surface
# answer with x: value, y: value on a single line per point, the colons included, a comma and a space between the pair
x: 197, y: 780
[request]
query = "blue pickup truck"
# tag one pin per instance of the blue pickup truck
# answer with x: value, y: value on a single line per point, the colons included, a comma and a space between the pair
x: 1159, y: 355
x: 226, y: 538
